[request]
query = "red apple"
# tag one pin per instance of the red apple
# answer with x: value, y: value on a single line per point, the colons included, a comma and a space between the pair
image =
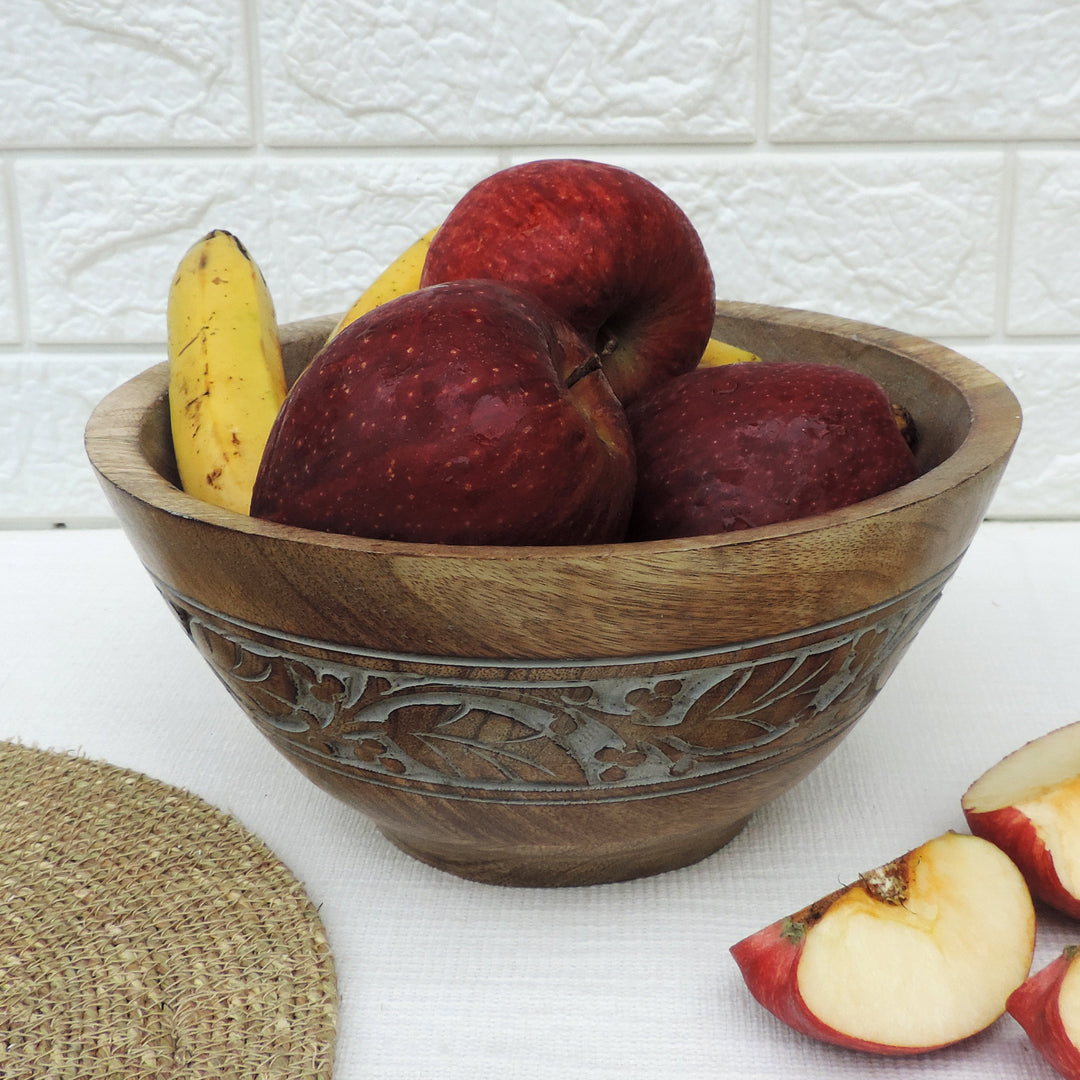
x: 1029, y: 805
x: 464, y: 413
x: 724, y: 448
x: 603, y: 247
x: 1047, y: 1007
x: 915, y: 955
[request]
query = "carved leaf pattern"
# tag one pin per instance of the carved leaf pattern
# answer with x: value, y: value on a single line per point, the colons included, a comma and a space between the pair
x: 707, y: 721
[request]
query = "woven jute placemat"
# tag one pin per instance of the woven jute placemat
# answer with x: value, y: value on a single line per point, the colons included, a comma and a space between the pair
x: 144, y: 933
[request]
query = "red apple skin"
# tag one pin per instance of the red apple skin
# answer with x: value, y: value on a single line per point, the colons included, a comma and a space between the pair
x: 603, y: 247
x: 444, y: 416
x: 769, y: 961
x: 734, y: 447
x: 1034, y: 1006
x: 1012, y: 831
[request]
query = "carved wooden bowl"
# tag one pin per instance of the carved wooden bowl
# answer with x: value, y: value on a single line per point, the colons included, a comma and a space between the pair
x: 567, y: 716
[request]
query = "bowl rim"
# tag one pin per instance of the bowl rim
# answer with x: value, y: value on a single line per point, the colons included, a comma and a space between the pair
x: 114, y: 429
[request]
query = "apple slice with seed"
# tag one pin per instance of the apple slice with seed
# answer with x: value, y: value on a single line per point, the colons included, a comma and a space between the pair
x: 1047, y: 1007
x: 917, y: 954
x: 1029, y: 805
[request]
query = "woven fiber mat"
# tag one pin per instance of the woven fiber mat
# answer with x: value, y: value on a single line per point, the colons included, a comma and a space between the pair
x: 143, y: 933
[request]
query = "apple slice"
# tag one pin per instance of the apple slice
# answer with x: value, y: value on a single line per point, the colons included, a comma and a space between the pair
x: 915, y: 955
x: 1047, y: 1007
x: 1029, y: 805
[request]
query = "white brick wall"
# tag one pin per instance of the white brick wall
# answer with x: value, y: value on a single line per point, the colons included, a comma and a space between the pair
x: 911, y: 163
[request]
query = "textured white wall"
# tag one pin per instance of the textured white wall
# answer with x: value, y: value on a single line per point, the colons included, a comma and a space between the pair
x: 908, y: 162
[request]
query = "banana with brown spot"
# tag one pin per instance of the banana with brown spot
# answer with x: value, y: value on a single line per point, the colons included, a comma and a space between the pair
x: 226, y: 380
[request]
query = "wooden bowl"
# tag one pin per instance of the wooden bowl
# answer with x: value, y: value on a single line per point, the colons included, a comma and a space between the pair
x: 567, y: 716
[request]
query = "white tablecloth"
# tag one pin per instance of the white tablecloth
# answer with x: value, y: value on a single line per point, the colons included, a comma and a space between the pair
x: 443, y: 979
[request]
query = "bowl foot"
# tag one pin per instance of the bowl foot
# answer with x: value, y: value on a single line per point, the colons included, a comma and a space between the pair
x: 542, y: 866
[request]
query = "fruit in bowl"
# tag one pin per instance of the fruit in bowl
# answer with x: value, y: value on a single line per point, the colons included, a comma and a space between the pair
x: 601, y: 246
x: 400, y: 277
x: 464, y: 413
x: 731, y: 447
x: 557, y: 715
x: 475, y: 393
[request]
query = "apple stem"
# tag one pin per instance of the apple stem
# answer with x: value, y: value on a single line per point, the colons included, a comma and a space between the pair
x: 610, y: 342
x: 587, y: 368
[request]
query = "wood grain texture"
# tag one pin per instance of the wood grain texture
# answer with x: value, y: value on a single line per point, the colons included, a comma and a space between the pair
x: 606, y: 600
x: 553, y: 716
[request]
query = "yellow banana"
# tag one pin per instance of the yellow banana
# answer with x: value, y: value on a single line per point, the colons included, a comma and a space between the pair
x: 401, y: 276
x: 718, y: 353
x: 226, y: 381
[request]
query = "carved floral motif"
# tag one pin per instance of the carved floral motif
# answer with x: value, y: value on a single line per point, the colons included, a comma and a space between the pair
x: 633, y: 724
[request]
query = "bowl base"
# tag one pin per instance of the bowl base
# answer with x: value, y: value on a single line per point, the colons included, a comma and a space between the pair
x: 548, y: 866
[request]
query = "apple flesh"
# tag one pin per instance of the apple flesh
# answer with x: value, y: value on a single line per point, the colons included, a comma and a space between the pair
x: 1047, y: 1007
x: 1029, y: 805
x: 741, y: 445
x: 464, y: 413
x: 916, y: 955
x: 603, y: 247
